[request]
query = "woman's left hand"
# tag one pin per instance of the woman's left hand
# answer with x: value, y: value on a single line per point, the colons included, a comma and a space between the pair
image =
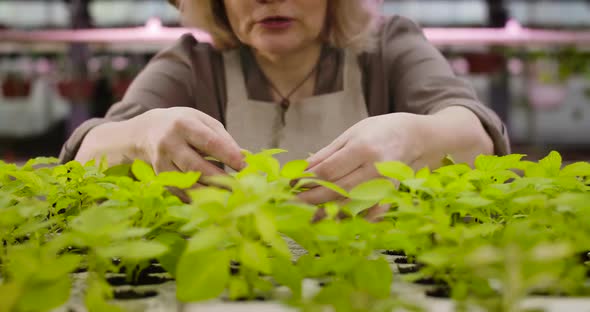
x: 350, y: 159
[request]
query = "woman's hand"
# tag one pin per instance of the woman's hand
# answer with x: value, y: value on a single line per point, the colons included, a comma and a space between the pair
x: 417, y: 140
x: 178, y: 139
x: 349, y: 160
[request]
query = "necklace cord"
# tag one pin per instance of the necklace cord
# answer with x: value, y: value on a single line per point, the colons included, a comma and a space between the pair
x: 285, y: 102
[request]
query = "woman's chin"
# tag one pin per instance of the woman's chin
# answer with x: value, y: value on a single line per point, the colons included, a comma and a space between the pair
x: 276, y: 47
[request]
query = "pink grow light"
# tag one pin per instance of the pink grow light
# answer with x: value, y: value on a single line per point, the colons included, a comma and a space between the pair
x: 512, y: 35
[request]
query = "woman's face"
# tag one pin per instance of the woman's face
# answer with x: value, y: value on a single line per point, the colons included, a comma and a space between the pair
x: 277, y: 26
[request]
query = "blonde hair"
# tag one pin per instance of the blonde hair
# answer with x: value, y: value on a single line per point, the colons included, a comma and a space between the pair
x: 350, y: 23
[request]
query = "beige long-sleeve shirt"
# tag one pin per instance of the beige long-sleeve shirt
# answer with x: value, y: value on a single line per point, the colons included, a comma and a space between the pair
x: 405, y: 73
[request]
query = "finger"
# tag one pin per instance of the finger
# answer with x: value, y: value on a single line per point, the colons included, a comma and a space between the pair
x: 319, y: 215
x: 237, y: 162
x: 209, y: 142
x: 187, y: 159
x: 337, y: 165
x: 164, y: 164
x: 375, y: 213
x: 320, y: 195
x: 180, y: 194
x: 326, y: 152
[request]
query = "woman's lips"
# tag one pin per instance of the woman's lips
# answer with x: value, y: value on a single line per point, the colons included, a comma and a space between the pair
x: 276, y: 22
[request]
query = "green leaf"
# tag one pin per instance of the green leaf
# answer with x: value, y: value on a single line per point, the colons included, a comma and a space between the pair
x: 245, y: 209
x: 331, y: 210
x: 571, y: 202
x: 448, y: 160
x: 207, y: 239
x: 285, y: 273
x: 178, y: 179
x: 202, y: 275
x: 130, y: 233
x: 374, y: 277
x: 395, y: 170
x: 294, y: 169
x: 142, y: 171
x: 423, y: 173
x: 254, y: 256
x: 278, y: 244
x: 484, y: 256
x: 578, y: 169
x: 260, y: 284
x: 97, y: 292
x: 454, y: 171
x: 338, y: 295
x: 493, y: 162
x: 55, y: 269
x: 30, y: 179
x: 134, y: 250
x: 97, y: 221
x: 439, y: 257
x: 373, y: 190
x: 45, y: 296
x: 208, y: 195
x: 265, y: 224
x: 176, y: 246
x: 122, y: 170
x: 104, y: 164
x: 416, y: 185
x: 261, y: 163
x: 551, y: 163
x: 40, y: 161
x: 329, y: 185
x: 474, y: 201
x: 311, y: 266
x: 336, y: 263
x: 354, y: 207
x: 548, y: 252
x: 238, y: 288
x: 11, y: 293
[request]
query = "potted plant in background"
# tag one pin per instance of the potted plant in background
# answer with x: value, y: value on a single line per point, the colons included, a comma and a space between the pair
x: 550, y: 76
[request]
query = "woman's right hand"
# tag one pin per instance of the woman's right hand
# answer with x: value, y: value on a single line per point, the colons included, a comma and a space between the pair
x: 178, y: 139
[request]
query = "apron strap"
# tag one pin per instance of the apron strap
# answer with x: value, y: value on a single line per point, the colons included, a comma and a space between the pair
x: 234, y: 77
x: 352, y: 79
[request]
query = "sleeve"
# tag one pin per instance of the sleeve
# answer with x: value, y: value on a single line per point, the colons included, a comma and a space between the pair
x: 165, y: 82
x: 422, y: 82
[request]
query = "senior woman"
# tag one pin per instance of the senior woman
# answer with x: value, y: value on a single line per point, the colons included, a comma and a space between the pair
x: 326, y: 78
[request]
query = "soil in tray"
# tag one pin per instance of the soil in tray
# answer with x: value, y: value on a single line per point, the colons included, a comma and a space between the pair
x: 429, y: 281
x: 405, y: 260
x: 131, y: 294
x: 76, y: 250
x: 410, y: 269
x: 245, y: 299
x: 117, y: 261
x: 153, y: 268
x: 439, y: 292
x: 234, y: 268
x: 394, y: 253
x: 142, y: 280
x: 541, y: 293
x: 584, y: 256
x: 585, y: 292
